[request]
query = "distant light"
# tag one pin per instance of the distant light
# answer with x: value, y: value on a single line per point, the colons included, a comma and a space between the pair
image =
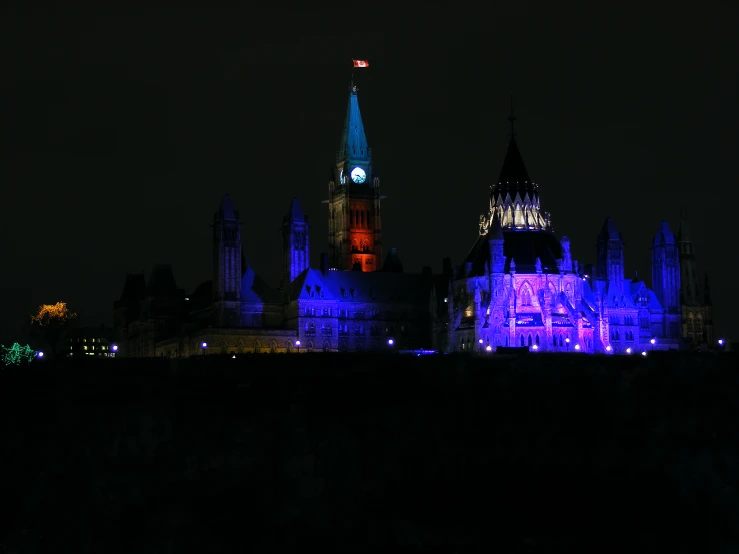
x: 40, y: 354
x: 653, y: 341
x: 608, y: 348
x: 535, y: 347
x: 233, y: 357
x: 114, y: 348
x: 186, y: 299
x: 567, y: 340
x: 644, y: 353
x: 390, y: 342
x: 628, y: 350
x: 297, y: 343
x: 488, y: 348
x: 720, y: 342
x: 577, y: 347
x: 204, y: 345
x: 480, y: 341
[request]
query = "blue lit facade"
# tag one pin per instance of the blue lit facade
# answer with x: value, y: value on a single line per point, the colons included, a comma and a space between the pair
x: 517, y: 287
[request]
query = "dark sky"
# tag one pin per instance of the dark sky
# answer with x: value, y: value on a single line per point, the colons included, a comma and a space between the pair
x: 122, y: 132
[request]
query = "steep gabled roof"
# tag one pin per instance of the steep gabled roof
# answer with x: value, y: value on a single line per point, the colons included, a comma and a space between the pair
x: 664, y: 234
x: 162, y: 282
x: 514, y: 178
x: 255, y: 289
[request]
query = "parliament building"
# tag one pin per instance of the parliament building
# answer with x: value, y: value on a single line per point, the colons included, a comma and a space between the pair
x: 517, y: 287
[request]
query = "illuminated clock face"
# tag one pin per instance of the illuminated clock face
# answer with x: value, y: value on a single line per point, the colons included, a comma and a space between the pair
x: 358, y: 175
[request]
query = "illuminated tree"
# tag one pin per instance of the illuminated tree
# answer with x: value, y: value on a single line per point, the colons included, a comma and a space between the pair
x: 50, y: 320
x: 16, y: 354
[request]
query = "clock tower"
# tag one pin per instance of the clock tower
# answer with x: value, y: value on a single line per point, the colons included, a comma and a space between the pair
x: 354, y: 222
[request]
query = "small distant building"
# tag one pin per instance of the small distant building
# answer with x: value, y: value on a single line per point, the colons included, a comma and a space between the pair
x: 89, y: 341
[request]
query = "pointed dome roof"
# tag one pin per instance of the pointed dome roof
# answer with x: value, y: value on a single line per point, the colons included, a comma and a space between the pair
x: 609, y: 231
x: 295, y: 214
x: 353, y: 140
x: 664, y: 234
x: 514, y: 178
x: 226, y: 209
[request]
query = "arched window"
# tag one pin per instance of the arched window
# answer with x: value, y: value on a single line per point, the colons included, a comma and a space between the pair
x: 699, y: 326
x: 530, y: 341
x: 257, y: 347
x: 326, y: 346
x: 560, y: 341
x: 224, y: 347
x: 310, y: 346
x: 240, y: 346
x: 536, y: 341
x: 289, y: 347
x: 525, y: 296
x: 272, y: 347
x: 523, y: 341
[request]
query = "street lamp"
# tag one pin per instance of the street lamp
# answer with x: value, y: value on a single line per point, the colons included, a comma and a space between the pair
x: 608, y: 348
x: 480, y: 341
x: 628, y: 350
x: 720, y: 342
x: 567, y: 340
x: 535, y: 347
x: 203, y: 346
x: 114, y: 348
x: 577, y: 347
x: 652, y: 343
x: 297, y: 345
x: 39, y: 354
x: 644, y: 353
x: 488, y: 348
x: 390, y: 342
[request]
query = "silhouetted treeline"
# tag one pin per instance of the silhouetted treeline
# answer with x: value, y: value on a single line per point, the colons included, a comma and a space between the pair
x: 537, y: 453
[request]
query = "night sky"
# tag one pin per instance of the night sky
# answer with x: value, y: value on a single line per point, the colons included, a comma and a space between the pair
x: 122, y: 132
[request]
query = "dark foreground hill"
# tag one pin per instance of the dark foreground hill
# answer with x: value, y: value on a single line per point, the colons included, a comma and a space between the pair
x: 333, y: 452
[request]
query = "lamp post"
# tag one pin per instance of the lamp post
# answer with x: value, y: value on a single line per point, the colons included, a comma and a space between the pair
x: 652, y: 343
x: 567, y: 340
x: 480, y: 341
x: 39, y: 354
x: 297, y: 345
x: 535, y: 347
x: 203, y: 346
x: 628, y: 350
x: 608, y: 348
x: 721, y: 342
x: 390, y: 342
x: 488, y: 348
x: 577, y: 346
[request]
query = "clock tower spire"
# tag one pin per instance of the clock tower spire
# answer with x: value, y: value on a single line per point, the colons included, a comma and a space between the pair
x: 355, y: 232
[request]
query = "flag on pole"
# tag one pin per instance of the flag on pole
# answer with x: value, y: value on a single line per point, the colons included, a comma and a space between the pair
x: 361, y: 63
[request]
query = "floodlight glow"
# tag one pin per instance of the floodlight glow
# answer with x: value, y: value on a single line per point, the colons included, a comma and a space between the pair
x: 608, y: 348
x: 488, y: 348
x: 390, y: 342
x: 577, y: 347
x: 297, y: 343
x: 204, y: 345
x: 644, y: 353
x: 720, y: 342
x: 653, y: 341
x: 535, y: 347
x: 628, y: 350
x: 40, y: 354
x: 567, y: 340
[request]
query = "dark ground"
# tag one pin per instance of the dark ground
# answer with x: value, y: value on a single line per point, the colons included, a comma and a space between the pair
x: 541, y: 453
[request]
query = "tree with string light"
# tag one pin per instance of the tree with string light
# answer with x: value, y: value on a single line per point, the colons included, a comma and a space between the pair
x: 49, y: 321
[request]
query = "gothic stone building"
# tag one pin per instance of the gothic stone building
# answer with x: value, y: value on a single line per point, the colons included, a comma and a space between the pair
x: 518, y: 286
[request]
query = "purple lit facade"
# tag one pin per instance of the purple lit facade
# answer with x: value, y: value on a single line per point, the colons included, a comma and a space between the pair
x: 520, y: 287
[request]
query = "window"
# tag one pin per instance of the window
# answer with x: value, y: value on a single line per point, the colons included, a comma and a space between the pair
x: 525, y: 296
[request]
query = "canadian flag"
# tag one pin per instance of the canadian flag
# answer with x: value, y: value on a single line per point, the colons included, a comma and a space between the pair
x: 361, y: 63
